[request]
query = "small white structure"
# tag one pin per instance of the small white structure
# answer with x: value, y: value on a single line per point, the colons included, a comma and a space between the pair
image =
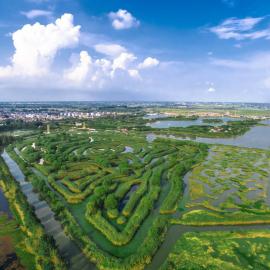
x: 34, y: 145
x: 41, y: 161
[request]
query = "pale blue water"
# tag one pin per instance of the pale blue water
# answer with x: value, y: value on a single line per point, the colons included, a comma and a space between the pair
x: 184, y: 123
x: 256, y: 137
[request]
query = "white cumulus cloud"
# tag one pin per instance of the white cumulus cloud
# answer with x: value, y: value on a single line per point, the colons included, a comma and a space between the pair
x: 37, y: 45
x: 96, y: 72
x: 79, y: 72
x: 122, y: 19
x: 122, y: 61
x: 148, y: 62
x: 134, y: 73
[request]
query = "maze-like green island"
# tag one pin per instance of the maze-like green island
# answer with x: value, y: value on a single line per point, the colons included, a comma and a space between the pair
x: 115, y: 192
x: 129, y: 202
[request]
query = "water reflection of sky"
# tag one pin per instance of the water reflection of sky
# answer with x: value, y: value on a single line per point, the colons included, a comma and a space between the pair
x: 4, y: 207
x: 256, y: 137
x: 197, y: 122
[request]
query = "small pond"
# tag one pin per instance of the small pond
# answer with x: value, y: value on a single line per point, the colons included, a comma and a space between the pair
x: 128, y: 149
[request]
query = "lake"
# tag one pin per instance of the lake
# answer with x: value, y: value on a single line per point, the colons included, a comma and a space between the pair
x: 188, y: 123
x: 256, y: 137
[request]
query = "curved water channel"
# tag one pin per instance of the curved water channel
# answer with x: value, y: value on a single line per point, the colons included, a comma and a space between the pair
x: 67, y: 248
x: 175, y: 231
x: 256, y: 137
x: 4, y: 207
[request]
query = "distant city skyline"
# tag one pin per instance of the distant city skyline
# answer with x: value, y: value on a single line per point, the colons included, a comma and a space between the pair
x: 187, y: 50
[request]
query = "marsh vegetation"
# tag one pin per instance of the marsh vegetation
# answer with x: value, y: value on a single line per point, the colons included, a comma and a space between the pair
x: 122, y: 197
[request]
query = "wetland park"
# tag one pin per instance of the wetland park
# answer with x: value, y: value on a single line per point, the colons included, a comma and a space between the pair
x: 147, y: 189
x: 134, y: 135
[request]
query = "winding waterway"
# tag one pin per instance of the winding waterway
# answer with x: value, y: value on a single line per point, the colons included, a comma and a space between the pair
x: 67, y: 248
x: 4, y: 207
x: 257, y: 137
x: 176, y: 231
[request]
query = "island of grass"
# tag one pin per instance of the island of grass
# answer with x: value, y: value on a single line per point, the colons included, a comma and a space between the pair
x: 230, y: 187
x: 226, y: 130
x: 174, y: 118
x: 212, y: 120
x: 221, y: 250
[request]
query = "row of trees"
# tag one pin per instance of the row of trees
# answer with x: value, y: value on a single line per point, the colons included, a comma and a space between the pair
x: 6, y: 139
x: 10, y: 125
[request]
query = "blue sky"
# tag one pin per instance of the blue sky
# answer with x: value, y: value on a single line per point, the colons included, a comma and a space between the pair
x: 211, y: 50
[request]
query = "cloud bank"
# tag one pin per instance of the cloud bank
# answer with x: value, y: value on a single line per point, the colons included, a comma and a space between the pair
x: 56, y: 61
x: 37, y: 45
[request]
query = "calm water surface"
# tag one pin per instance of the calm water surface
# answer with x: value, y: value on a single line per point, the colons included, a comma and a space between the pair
x: 256, y: 137
x: 4, y: 207
x: 67, y: 248
x: 184, y: 123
